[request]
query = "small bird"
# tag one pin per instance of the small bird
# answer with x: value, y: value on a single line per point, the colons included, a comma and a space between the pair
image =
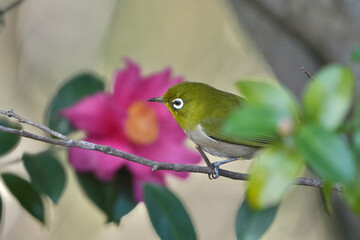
x: 201, y: 111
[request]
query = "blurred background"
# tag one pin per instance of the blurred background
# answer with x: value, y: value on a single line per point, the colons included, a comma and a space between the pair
x: 218, y: 42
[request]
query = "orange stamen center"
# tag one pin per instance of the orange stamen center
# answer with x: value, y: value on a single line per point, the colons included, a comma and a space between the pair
x: 141, y: 126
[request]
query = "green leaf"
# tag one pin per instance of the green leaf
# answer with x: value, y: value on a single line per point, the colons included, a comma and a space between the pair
x: 8, y: 141
x: 352, y: 195
x: 167, y: 214
x: 260, y: 120
x: 251, y: 224
x: 326, y: 153
x: 328, y: 98
x: 72, y: 91
x: 27, y: 196
x: 356, y: 54
x: 272, y: 174
x: 46, y: 172
x: 253, y: 124
x: 270, y: 95
x: 326, y: 193
x: 114, y: 198
x: 356, y: 144
x: 354, y: 123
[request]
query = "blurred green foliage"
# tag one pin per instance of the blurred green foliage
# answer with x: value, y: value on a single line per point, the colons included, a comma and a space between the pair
x: 26, y: 194
x: 46, y: 173
x: 114, y: 198
x: 328, y: 98
x: 312, y: 133
x: 8, y: 141
x: 273, y: 172
x: 167, y: 214
x: 72, y: 91
x: 251, y: 224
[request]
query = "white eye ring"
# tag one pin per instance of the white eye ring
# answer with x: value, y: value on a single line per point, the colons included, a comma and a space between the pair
x: 178, y: 103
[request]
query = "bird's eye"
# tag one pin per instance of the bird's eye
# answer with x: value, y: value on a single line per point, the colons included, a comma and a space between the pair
x: 178, y: 103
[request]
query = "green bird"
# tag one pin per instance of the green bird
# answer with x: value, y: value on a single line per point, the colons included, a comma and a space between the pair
x: 201, y: 111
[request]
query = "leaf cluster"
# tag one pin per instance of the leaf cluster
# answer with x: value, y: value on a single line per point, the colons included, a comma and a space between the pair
x: 319, y: 133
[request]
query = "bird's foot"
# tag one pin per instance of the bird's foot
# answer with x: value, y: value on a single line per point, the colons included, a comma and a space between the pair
x: 217, y: 165
x: 206, y: 159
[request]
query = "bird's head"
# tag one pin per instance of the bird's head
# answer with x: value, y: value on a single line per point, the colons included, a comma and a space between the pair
x: 187, y: 101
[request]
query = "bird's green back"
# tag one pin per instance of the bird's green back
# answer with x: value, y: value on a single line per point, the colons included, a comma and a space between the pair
x: 208, y: 107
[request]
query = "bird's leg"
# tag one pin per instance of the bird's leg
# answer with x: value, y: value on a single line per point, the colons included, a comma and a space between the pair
x: 217, y: 165
x: 206, y: 159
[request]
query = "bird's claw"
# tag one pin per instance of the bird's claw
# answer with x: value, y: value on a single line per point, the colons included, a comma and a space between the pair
x: 216, y: 174
x: 216, y: 168
x: 212, y: 176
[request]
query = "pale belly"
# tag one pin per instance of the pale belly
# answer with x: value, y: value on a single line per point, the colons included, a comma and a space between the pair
x: 220, y: 148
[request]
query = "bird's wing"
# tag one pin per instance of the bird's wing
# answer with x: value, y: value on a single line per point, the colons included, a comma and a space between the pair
x: 216, y: 133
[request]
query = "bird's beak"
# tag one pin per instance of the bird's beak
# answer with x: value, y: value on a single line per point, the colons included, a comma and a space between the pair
x: 157, y: 99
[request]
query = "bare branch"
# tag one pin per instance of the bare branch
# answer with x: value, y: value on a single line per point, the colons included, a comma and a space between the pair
x: 156, y: 166
x: 39, y: 126
x: 306, y: 73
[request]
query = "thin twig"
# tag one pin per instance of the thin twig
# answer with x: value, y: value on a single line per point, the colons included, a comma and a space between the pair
x: 36, y: 125
x: 306, y: 73
x: 156, y: 166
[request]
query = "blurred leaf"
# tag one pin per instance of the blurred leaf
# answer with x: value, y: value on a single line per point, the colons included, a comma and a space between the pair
x: 356, y: 54
x: 252, y: 224
x: 253, y: 123
x: 167, y: 214
x: 2, y: 21
x: 328, y: 98
x: 8, y: 141
x: 326, y: 153
x: 352, y: 195
x: 114, y: 198
x: 72, y: 91
x: 46, y: 172
x: 356, y: 144
x: 259, y: 119
x: 273, y: 172
x: 27, y: 196
x: 270, y: 95
x: 354, y: 123
x: 1, y: 208
x: 355, y: 128
x: 326, y: 193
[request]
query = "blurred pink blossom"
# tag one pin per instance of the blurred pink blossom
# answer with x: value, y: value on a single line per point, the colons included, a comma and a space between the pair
x: 124, y: 120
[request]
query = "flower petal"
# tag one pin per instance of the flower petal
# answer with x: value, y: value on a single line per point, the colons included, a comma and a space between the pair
x: 104, y: 166
x: 171, y: 131
x: 83, y: 160
x: 126, y: 83
x: 168, y: 151
x: 97, y: 115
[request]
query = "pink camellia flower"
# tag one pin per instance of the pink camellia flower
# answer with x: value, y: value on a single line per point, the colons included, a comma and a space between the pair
x: 125, y: 121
